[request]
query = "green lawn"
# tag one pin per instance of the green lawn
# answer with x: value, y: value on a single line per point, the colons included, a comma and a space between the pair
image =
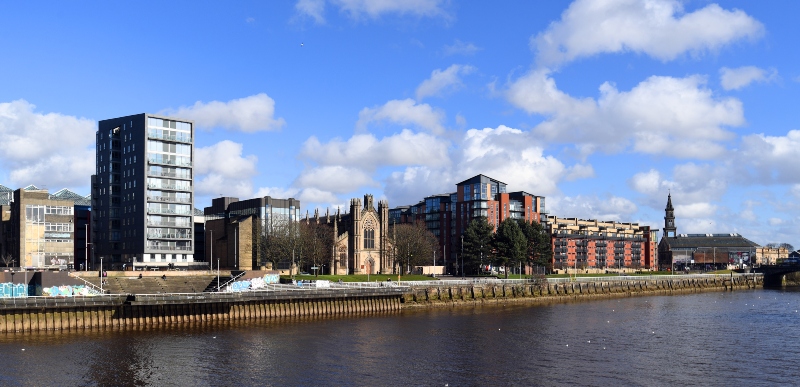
x: 361, y: 278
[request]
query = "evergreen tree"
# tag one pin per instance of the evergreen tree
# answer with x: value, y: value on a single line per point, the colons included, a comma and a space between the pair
x: 510, y: 244
x: 477, y: 244
x: 539, y: 250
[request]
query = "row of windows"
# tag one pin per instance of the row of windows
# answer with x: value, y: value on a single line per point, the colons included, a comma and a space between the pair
x: 168, y: 208
x: 156, y: 183
x: 35, y: 213
x: 161, y: 158
x: 170, y: 124
x: 160, y: 146
x: 169, y: 135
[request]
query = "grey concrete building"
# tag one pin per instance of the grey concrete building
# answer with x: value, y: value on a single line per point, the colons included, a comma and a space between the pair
x: 142, y: 192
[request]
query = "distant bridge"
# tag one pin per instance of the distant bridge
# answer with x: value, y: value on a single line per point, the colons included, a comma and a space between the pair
x: 776, y: 275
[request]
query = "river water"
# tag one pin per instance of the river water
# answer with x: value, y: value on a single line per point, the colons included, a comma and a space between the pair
x: 742, y: 338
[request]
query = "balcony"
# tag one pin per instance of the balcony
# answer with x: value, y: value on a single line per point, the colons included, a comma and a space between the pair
x: 167, y: 248
x: 154, y: 235
x: 167, y: 224
x: 175, y: 138
x: 169, y: 162
x: 169, y: 174
x: 168, y: 199
x: 167, y: 211
x: 171, y: 187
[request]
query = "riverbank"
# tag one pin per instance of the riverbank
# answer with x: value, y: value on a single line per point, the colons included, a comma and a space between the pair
x: 35, y: 314
x: 445, y: 294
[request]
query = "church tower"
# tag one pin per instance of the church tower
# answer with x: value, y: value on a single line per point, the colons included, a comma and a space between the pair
x: 669, y: 219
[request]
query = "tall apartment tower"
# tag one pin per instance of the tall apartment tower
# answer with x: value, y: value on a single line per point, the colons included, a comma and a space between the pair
x: 142, y: 195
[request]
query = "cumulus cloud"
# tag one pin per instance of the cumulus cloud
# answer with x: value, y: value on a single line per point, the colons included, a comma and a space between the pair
x: 312, y: 8
x: 45, y: 149
x: 221, y: 169
x: 695, y: 210
x: 506, y: 154
x: 658, y: 28
x: 770, y: 159
x: 360, y: 9
x: 679, y: 117
x: 336, y: 179
x: 460, y: 48
x: 404, y: 112
x: 734, y: 79
x: 365, y: 150
x: 611, y: 208
x: 249, y: 114
x: 442, y: 81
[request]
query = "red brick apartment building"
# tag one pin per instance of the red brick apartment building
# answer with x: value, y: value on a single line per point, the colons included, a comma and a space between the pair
x: 447, y: 215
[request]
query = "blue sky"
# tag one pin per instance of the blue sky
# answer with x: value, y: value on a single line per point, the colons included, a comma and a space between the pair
x: 601, y: 106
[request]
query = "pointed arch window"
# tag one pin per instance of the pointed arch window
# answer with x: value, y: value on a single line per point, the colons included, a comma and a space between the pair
x: 369, y: 234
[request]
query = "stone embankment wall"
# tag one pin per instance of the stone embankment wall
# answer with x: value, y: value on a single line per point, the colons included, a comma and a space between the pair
x: 105, y: 312
x: 443, y: 294
x: 113, y: 312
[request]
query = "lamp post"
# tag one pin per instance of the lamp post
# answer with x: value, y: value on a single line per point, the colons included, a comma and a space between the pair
x: 434, y: 263
x: 462, y: 256
x: 12, y: 284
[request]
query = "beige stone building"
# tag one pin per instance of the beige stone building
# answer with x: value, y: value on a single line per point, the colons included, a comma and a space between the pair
x: 39, y: 230
x: 361, y: 238
x: 770, y: 255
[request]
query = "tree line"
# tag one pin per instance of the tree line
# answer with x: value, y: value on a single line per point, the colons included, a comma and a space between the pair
x: 516, y: 242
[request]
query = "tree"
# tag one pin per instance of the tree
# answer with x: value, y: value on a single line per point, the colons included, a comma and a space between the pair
x: 280, y: 241
x: 317, y: 242
x: 477, y: 244
x: 510, y: 244
x: 7, y: 260
x: 539, y: 247
x: 414, y: 245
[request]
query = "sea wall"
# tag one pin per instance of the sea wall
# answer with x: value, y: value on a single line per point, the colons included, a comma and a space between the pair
x: 151, y: 310
x: 107, y: 312
x: 443, y: 294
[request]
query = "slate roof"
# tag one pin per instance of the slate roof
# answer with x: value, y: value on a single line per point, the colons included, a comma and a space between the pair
x: 691, y: 241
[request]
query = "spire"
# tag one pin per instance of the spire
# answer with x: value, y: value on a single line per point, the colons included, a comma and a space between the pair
x: 669, y: 203
x: 669, y: 219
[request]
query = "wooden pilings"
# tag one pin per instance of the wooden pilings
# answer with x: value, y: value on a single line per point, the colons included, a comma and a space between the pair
x: 75, y: 318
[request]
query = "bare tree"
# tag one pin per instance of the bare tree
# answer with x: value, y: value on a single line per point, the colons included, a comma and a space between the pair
x: 7, y: 260
x: 317, y: 243
x: 414, y: 245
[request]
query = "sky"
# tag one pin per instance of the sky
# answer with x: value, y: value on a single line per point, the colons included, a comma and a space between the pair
x: 604, y: 107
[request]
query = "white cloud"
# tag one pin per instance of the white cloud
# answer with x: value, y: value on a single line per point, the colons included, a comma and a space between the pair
x: 695, y: 210
x: 770, y: 159
x: 506, y: 154
x: 312, y: 8
x: 366, y: 151
x: 442, y: 81
x: 335, y: 178
x: 221, y: 169
x: 404, y: 112
x: 579, y: 171
x: 734, y: 79
x: 678, y: 117
x: 658, y: 28
x: 775, y: 221
x: 249, y: 114
x: 612, y: 208
x: 45, y: 149
x: 359, y: 9
x: 462, y: 48
x: 647, y: 182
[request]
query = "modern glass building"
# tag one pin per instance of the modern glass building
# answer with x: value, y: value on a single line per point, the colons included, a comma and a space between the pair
x: 142, y: 192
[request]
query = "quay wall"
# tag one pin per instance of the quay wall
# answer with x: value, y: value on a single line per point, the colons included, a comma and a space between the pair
x: 107, y: 312
x: 480, y: 293
x: 123, y: 311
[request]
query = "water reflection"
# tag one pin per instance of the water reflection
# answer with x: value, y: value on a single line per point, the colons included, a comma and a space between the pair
x: 738, y: 338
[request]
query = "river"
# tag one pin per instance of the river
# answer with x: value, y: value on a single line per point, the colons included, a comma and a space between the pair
x: 741, y: 338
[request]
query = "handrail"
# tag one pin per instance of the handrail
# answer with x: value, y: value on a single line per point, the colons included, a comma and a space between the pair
x: 230, y: 281
x: 93, y: 286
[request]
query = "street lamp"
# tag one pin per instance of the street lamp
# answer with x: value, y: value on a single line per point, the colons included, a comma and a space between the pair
x: 462, y: 256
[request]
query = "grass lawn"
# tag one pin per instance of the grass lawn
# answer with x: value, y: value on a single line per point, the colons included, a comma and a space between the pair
x: 361, y: 278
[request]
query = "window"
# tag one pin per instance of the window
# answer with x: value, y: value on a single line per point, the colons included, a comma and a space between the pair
x: 369, y: 239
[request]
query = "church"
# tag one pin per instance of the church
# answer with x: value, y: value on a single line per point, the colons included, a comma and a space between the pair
x: 361, y: 242
x: 701, y: 251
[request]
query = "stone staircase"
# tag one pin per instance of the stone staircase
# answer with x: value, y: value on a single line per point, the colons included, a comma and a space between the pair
x: 155, y: 285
